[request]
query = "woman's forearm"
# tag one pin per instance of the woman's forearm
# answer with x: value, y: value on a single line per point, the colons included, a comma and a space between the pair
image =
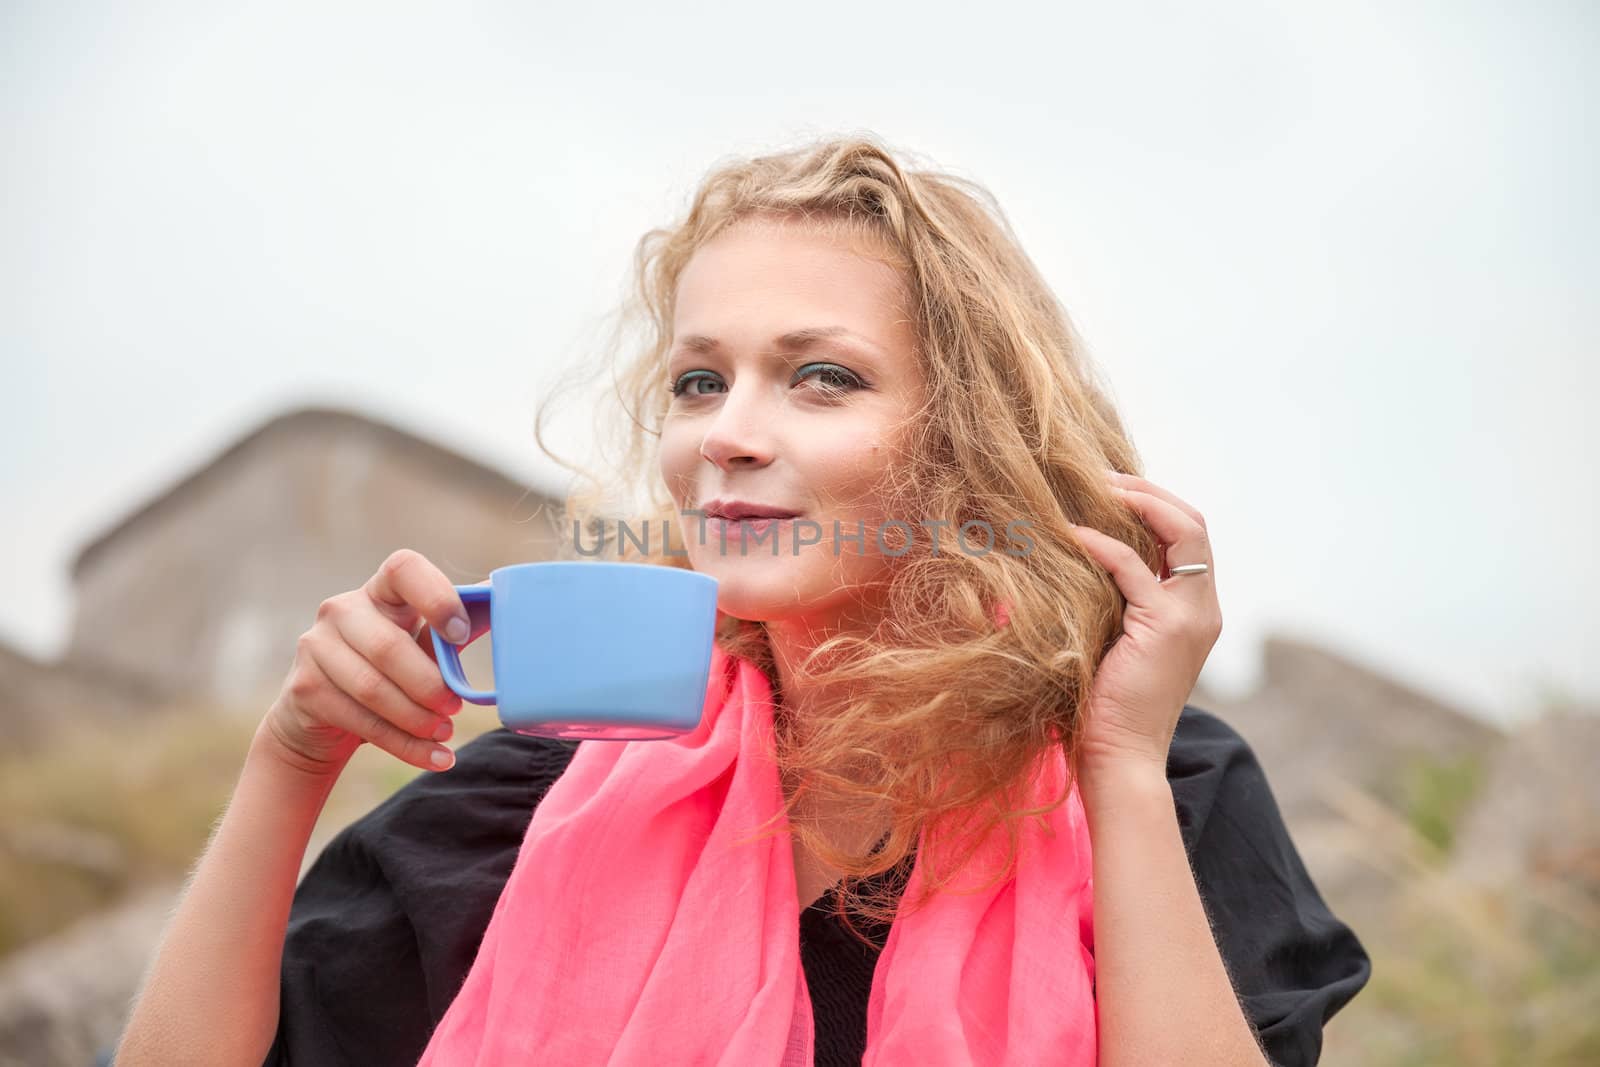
x: 210, y: 994
x: 1162, y: 989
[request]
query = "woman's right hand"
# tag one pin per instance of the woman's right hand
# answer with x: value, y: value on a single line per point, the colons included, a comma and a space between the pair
x: 365, y: 671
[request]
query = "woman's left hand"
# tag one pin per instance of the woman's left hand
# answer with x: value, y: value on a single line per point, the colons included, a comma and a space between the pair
x: 1169, y: 626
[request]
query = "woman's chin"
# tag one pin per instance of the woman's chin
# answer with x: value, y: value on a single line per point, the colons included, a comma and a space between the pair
x: 756, y: 600
x: 757, y: 608
x: 760, y: 589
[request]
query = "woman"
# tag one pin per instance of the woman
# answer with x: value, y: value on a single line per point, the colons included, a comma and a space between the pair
x: 863, y: 353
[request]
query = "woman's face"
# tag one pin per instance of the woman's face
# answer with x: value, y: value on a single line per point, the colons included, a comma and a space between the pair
x: 794, y: 373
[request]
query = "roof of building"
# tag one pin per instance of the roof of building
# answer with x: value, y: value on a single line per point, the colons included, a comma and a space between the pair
x: 292, y: 424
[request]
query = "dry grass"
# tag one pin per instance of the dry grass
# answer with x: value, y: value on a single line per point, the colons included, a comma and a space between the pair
x: 1465, y: 975
x: 107, y: 807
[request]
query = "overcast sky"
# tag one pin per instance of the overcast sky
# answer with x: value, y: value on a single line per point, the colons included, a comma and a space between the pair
x: 1339, y: 264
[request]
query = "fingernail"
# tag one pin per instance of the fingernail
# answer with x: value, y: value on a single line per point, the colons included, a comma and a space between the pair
x: 442, y: 758
x: 457, y: 630
x: 443, y: 730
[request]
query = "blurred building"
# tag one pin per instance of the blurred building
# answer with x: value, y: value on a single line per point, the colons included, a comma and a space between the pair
x: 205, y: 588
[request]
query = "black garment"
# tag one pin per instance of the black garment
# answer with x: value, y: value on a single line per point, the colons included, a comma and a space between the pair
x: 387, y: 921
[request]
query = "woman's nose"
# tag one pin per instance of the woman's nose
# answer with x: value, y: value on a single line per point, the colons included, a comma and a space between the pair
x: 741, y: 434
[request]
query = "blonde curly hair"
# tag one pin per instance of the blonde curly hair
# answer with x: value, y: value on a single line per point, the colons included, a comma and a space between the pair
x: 947, y: 713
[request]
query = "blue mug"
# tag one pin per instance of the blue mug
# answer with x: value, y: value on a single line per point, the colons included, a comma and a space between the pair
x: 597, y: 650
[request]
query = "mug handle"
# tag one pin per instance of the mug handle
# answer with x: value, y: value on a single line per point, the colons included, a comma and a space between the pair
x: 449, y: 656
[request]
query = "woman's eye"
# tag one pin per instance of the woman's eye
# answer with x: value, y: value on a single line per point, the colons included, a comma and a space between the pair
x: 835, y: 378
x: 686, y: 383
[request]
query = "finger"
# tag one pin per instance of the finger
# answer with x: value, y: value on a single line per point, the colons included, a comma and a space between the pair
x: 396, y: 656
x: 366, y: 685
x: 1145, y: 485
x: 1128, y: 570
x: 407, y: 586
x: 339, y: 709
x: 1185, y: 540
x: 477, y: 612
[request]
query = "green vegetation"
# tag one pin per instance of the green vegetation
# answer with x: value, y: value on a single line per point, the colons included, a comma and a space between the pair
x: 1438, y: 793
x: 1464, y: 974
x: 1467, y: 978
x: 106, y: 808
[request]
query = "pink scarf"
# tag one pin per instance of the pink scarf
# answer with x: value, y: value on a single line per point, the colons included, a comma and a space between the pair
x: 632, y: 930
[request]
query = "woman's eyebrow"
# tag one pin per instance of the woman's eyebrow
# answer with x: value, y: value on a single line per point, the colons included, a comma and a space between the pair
x: 801, y: 339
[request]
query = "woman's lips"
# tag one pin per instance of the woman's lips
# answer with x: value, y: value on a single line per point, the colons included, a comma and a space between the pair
x: 720, y: 530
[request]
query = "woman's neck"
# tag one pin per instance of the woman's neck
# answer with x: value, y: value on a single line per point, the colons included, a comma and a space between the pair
x: 793, y: 639
x: 800, y: 702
